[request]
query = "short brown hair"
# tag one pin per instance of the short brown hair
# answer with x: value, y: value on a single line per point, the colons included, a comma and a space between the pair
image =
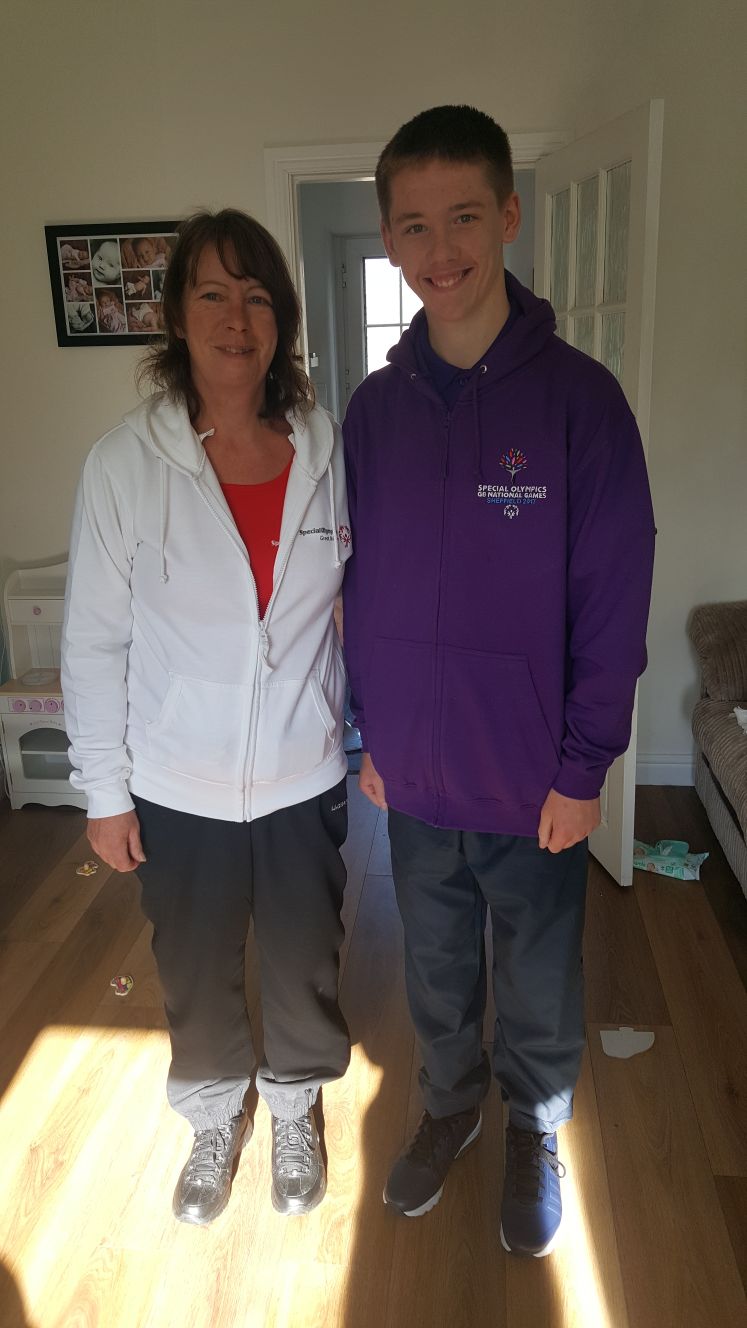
x: 241, y: 243
x: 447, y: 133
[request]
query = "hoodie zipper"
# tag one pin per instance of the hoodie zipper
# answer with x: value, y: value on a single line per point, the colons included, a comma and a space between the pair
x: 438, y: 779
x: 261, y: 639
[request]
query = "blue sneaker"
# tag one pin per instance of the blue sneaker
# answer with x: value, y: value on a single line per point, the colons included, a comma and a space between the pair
x: 532, y: 1208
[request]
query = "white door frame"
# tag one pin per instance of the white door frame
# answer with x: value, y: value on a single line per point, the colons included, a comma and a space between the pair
x: 288, y: 167
x: 636, y: 135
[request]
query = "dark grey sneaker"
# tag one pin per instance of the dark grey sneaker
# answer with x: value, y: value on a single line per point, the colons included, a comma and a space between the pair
x: 298, y: 1176
x: 204, y: 1187
x: 417, y: 1178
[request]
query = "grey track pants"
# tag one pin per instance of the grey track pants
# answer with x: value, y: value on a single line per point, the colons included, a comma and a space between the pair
x: 203, y: 881
x: 445, y: 880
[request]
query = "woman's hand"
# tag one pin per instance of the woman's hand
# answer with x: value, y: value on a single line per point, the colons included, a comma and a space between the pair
x: 116, y: 839
x: 371, y: 783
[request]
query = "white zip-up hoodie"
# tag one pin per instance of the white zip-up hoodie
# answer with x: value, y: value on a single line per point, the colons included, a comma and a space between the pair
x: 173, y: 688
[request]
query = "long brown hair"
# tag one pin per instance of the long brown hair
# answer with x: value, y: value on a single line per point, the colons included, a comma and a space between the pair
x: 245, y: 249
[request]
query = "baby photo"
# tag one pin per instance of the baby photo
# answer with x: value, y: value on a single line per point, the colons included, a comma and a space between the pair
x: 105, y: 262
x: 74, y: 254
x: 150, y: 251
x: 108, y: 283
x: 137, y: 285
x: 80, y: 317
x: 143, y: 317
x: 78, y: 286
x: 110, y: 311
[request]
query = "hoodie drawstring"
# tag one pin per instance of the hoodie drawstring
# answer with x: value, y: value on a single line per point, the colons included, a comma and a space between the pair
x: 333, y: 518
x: 162, y: 490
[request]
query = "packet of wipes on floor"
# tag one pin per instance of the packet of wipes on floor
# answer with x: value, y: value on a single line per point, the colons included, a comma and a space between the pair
x: 669, y: 857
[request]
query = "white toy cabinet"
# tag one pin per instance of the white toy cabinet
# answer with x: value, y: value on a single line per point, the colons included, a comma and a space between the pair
x: 32, y: 719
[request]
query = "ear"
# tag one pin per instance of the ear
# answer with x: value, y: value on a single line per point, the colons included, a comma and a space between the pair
x: 511, y: 214
x: 386, y: 235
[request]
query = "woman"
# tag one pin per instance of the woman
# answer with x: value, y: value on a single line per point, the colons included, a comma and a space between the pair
x: 204, y: 685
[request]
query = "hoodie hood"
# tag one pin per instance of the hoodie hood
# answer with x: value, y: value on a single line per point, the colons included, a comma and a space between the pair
x: 526, y: 338
x: 165, y: 427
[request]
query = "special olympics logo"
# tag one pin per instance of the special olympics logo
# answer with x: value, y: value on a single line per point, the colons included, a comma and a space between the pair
x: 511, y: 511
x: 344, y: 534
x: 513, y: 461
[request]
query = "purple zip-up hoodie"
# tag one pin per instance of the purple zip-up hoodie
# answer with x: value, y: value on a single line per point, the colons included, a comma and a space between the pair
x: 497, y: 596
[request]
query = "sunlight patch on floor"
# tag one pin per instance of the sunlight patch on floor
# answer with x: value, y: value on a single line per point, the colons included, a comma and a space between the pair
x: 574, y: 1264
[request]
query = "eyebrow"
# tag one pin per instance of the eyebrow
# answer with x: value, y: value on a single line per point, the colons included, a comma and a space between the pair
x: 454, y: 207
x: 217, y: 281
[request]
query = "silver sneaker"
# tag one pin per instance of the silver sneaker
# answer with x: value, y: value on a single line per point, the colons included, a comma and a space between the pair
x: 204, y: 1187
x: 298, y: 1176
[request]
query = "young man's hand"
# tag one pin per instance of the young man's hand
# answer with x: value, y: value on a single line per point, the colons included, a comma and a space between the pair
x: 116, y: 839
x: 371, y: 783
x: 566, y: 821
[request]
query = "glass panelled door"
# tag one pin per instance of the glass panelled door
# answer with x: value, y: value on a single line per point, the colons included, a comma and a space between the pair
x: 589, y: 232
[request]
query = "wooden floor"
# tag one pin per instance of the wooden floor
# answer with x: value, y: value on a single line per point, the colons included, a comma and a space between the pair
x: 655, y: 1231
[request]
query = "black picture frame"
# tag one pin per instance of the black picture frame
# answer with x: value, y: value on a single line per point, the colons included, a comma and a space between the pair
x: 107, y: 279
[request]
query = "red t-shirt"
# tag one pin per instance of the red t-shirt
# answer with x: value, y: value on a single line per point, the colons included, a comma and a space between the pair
x: 257, y: 510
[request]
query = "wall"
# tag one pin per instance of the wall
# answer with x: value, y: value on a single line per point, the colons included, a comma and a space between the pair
x: 130, y: 109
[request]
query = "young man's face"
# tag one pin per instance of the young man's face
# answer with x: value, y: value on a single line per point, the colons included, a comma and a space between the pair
x: 446, y: 231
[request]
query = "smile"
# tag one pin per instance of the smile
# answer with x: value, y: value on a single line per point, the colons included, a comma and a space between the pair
x: 235, y: 350
x: 448, y: 282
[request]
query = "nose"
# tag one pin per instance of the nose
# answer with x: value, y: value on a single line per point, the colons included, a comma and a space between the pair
x: 444, y: 245
x: 238, y: 312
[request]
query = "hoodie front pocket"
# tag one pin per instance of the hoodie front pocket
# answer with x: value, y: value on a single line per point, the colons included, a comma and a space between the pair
x: 200, y: 729
x: 495, y: 742
x: 296, y: 729
x: 399, y: 711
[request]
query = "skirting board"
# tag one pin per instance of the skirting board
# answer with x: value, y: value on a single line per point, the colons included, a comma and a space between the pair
x: 665, y: 768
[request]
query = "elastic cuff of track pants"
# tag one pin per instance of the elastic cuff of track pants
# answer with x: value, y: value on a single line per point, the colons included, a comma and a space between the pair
x: 536, y: 1124
x: 202, y: 1120
x: 282, y: 1105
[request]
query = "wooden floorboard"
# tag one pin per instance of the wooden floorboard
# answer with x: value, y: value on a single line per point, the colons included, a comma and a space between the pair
x: 622, y: 982
x: 708, y: 1007
x: 90, y: 1151
x: 33, y: 841
x: 676, y: 1257
x: 732, y: 1193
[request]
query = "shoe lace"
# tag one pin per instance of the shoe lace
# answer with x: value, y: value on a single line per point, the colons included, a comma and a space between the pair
x: 433, y: 1138
x: 209, y: 1154
x: 527, y: 1154
x: 294, y: 1146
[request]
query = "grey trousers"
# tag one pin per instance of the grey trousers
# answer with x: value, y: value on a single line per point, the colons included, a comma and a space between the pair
x: 202, y: 883
x: 445, y: 880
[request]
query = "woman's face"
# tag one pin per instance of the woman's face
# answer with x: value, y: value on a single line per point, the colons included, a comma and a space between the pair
x: 229, y: 326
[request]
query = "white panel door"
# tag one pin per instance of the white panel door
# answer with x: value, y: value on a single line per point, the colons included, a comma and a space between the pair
x: 597, y: 221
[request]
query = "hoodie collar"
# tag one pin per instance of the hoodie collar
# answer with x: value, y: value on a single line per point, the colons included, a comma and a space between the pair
x: 165, y: 427
x: 531, y: 330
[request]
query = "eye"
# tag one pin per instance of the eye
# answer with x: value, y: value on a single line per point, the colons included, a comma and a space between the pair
x: 260, y: 299
x: 211, y: 295
x: 464, y: 218
x: 417, y: 228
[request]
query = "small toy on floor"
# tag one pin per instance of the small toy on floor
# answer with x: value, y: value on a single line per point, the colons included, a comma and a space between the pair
x: 122, y: 984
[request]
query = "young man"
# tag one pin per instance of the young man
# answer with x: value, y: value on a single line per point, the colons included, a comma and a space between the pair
x: 495, y: 618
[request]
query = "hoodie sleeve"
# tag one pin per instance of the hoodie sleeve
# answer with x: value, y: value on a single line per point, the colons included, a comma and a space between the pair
x: 96, y: 636
x: 611, y: 550
x: 353, y: 644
